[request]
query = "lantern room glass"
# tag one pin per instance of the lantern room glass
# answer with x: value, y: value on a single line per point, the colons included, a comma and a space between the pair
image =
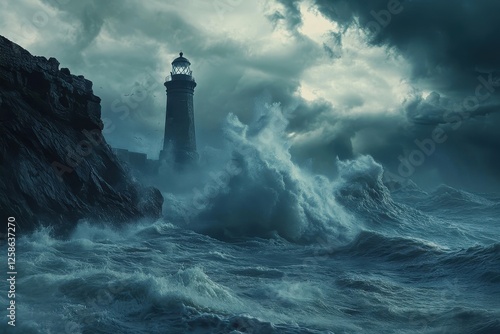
x: 181, y: 66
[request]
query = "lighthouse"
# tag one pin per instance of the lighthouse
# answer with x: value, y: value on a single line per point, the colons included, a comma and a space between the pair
x: 180, y: 138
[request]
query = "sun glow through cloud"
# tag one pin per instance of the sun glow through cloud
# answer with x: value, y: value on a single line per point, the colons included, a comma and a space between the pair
x: 314, y: 24
x: 377, y: 74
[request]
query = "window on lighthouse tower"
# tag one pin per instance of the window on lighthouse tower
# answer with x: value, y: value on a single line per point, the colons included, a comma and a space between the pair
x: 181, y: 66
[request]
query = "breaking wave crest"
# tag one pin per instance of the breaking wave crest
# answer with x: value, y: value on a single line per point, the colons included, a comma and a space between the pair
x: 265, y: 193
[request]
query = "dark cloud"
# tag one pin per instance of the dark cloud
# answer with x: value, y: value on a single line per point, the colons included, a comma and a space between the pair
x: 290, y: 15
x: 451, y: 47
x: 446, y: 42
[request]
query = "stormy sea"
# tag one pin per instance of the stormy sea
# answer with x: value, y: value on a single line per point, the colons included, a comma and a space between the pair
x: 256, y: 243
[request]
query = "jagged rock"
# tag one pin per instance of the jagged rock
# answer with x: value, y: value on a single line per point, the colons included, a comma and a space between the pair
x: 55, y: 165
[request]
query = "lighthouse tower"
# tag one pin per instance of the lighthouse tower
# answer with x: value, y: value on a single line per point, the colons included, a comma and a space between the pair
x: 180, y: 136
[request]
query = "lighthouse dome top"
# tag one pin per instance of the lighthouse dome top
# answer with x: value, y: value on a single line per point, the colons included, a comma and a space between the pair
x: 180, y: 65
x: 181, y: 59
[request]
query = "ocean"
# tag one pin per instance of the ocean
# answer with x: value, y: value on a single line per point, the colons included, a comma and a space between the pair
x: 259, y: 244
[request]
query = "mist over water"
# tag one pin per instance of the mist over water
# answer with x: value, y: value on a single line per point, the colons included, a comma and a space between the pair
x: 253, y: 243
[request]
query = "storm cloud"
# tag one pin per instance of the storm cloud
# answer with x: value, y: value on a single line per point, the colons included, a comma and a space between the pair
x: 353, y: 77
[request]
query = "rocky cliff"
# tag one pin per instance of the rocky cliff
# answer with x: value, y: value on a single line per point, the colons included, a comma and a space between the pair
x: 55, y: 165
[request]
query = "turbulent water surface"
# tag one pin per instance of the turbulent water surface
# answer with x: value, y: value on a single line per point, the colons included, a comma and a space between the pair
x: 272, y: 248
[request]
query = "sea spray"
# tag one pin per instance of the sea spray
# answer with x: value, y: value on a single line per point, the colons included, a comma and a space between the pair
x: 263, y: 191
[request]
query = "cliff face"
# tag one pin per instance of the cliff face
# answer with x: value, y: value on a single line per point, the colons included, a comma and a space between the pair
x: 55, y: 165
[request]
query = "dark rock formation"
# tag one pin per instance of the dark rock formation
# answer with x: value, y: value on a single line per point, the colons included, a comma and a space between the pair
x: 55, y: 165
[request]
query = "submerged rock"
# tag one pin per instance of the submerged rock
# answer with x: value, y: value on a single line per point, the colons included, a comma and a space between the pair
x: 55, y: 164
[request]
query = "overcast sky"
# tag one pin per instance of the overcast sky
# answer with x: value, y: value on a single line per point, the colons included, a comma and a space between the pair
x: 349, y: 84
